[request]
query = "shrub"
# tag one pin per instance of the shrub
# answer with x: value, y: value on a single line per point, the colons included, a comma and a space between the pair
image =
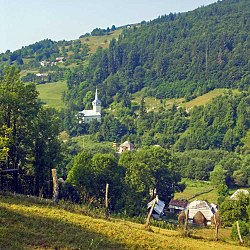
x: 244, y: 230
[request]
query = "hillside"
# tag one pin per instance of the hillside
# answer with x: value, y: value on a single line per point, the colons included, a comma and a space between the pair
x: 177, y: 55
x: 29, y: 223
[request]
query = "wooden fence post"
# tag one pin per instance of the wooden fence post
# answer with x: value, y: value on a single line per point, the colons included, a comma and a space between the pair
x: 238, y: 229
x: 55, y: 186
x: 151, y: 211
x: 186, y: 222
x: 106, y: 201
x: 216, y: 223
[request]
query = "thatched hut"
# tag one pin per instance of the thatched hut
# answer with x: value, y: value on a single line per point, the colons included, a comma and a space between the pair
x: 200, y: 219
x: 182, y: 218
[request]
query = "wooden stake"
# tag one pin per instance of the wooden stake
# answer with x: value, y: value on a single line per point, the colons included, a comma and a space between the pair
x: 106, y: 201
x: 151, y: 211
x: 55, y: 186
x: 238, y: 229
x: 216, y: 227
x: 186, y: 222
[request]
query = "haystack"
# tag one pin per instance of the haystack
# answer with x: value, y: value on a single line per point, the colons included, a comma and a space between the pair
x: 182, y: 218
x: 217, y: 219
x: 199, y: 219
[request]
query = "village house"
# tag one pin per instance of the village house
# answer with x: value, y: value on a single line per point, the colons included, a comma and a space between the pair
x: 60, y: 59
x: 126, y: 146
x: 86, y: 116
x: 176, y: 206
x: 44, y: 63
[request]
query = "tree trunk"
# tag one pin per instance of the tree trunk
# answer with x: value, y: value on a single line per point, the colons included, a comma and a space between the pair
x: 106, y: 201
x: 55, y: 186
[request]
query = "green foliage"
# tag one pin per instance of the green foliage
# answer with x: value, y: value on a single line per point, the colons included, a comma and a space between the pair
x: 4, y: 141
x: 90, y: 173
x: 148, y: 169
x: 218, y: 176
x: 244, y: 230
x: 232, y: 210
x: 31, y: 132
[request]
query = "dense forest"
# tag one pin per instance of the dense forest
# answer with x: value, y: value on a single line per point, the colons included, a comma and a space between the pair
x: 177, y: 55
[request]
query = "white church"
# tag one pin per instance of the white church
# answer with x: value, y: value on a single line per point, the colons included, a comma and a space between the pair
x: 86, y: 116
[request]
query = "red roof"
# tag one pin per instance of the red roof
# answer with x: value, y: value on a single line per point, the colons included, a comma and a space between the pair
x: 178, y: 203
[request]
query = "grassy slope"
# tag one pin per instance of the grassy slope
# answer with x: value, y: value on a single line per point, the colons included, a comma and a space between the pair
x: 204, y: 99
x: 100, y: 41
x: 51, y: 93
x: 195, y: 187
x: 154, y: 104
x: 26, y: 224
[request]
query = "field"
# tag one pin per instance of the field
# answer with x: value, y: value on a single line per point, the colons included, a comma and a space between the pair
x: 100, y: 41
x: 204, y: 99
x: 29, y: 223
x: 154, y: 104
x: 193, y: 190
x: 87, y: 142
x: 51, y: 93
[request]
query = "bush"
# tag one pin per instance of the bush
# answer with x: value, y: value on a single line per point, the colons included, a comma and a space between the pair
x: 244, y: 230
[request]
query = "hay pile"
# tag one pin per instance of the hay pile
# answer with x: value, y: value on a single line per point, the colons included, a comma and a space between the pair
x: 199, y: 219
x: 182, y: 218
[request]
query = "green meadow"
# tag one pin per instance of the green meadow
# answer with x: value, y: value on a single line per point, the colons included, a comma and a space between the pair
x: 31, y: 223
x: 51, y: 93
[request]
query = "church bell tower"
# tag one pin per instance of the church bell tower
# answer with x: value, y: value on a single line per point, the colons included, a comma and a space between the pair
x: 96, y: 103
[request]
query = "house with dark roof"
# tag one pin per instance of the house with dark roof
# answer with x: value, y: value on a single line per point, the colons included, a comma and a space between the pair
x: 176, y: 206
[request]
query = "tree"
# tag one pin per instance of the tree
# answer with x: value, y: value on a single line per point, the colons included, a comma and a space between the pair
x: 143, y: 110
x: 18, y: 107
x: 31, y: 132
x: 149, y: 169
x: 46, y: 148
x: 218, y: 176
x: 235, y: 210
x: 4, y: 141
x: 90, y: 174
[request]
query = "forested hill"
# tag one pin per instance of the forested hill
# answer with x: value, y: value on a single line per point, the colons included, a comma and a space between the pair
x: 175, y: 55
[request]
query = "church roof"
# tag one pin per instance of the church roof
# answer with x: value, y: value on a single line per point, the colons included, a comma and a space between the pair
x: 90, y: 113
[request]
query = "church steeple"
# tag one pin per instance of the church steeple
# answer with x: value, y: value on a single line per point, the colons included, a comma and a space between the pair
x: 96, y: 103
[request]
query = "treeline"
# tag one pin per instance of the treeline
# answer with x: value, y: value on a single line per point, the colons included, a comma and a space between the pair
x: 46, y: 50
x: 178, y: 55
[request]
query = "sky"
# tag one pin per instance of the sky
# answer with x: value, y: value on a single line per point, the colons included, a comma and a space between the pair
x: 24, y: 22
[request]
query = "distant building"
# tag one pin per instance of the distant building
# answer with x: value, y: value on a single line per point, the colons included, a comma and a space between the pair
x: 44, y: 63
x: 86, y: 116
x: 60, y: 59
x: 41, y: 74
x: 176, y: 206
x: 237, y: 193
x: 126, y: 146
